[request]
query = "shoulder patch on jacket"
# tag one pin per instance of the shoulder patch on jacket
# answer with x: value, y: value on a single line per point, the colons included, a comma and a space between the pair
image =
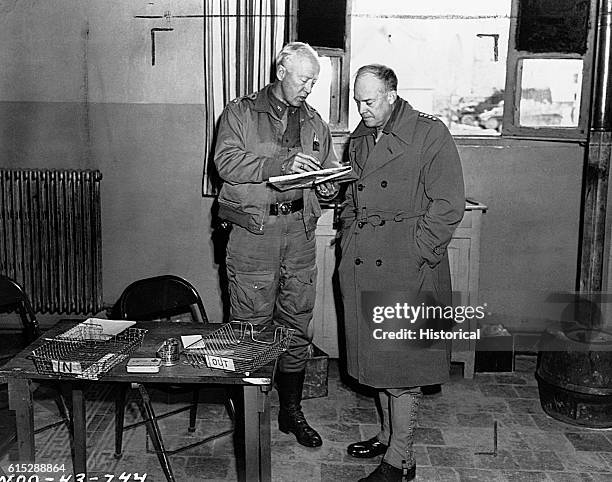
x: 252, y: 96
x: 428, y: 116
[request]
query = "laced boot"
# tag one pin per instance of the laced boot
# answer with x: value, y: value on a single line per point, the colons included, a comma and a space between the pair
x: 290, y: 416
x: 387, y: 473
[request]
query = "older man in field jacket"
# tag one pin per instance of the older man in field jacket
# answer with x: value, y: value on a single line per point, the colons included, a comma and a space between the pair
x: 398, y: 219
x: 271, y: 250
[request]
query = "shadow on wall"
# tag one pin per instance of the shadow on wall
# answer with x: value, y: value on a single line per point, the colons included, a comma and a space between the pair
x: 220, y: 231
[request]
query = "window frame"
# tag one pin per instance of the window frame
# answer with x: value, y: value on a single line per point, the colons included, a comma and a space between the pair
x: 339, y: 89
x: 512, y: 93
x: 511, y: 128
x: 340, y: 60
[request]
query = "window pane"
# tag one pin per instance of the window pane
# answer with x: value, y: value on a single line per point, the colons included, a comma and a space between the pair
x: 553, y: 26
x: 550, y: 92
x: 313, y: 14
x: 449, y: 56
x: 319, y: 98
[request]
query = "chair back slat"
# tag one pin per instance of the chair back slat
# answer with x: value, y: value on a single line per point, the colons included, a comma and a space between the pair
x: 160, y: 297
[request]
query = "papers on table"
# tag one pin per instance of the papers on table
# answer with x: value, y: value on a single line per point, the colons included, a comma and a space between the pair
x: 311, y: 178
x: 97, y: 329
x: 192, y: 341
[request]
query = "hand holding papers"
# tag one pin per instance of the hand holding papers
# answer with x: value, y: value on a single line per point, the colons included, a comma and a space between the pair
x: 311, y: 178
x: 300, y: 162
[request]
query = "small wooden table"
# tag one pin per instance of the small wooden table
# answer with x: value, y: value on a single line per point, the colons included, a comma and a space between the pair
x: 21, y: 372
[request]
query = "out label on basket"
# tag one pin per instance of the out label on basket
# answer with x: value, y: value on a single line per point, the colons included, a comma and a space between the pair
x: 64, y: 366
x: 220, y: 362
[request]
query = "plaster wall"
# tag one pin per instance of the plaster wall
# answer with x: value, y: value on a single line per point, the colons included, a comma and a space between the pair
x: 77, y: 90
x: 529, y: 240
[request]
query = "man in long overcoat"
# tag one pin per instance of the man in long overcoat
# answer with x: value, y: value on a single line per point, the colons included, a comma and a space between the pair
x: 397, y: 221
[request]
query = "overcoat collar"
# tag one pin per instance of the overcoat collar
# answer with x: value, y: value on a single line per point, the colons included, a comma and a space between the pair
x: 401, y: 124
x: 399, y: 132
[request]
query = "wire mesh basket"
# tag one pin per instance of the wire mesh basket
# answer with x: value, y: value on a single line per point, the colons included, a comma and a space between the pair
x: 85, y: 351
x: 239, y: 346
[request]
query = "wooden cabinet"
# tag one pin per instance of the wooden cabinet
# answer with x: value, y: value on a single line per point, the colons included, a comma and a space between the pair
x: 464, y: 258
x: 324, y: 321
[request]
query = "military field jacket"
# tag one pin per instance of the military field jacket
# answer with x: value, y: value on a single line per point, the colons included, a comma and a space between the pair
x: 249, y: 151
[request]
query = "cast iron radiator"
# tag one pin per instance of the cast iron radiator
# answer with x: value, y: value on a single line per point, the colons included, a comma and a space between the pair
x: 50, y: 237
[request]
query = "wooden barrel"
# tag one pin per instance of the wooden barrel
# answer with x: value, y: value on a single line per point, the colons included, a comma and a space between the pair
x: 574, y: 374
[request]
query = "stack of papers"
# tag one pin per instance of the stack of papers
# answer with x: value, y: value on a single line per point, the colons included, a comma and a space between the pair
x: 97, y: 329
x: 311, y: 178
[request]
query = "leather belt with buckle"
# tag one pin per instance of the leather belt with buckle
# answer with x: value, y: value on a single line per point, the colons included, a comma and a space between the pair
x: 286, y: 207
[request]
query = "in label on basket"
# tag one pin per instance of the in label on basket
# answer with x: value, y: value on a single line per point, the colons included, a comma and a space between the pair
x: 64, y: 366
x: 220, y: 362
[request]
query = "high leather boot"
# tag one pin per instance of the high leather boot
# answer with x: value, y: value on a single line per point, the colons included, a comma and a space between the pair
x: 290, y: 416
x: 387, y: 473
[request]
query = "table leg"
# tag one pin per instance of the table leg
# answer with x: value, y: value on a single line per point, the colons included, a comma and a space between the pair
x: 265, y: 442
x: 120, y: 400
x: 257, y: 434
x: 251, y: 433
x: 79, y: 427
x: 20, y: 400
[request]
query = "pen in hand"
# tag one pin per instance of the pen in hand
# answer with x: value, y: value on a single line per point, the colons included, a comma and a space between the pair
x: 301, y: 162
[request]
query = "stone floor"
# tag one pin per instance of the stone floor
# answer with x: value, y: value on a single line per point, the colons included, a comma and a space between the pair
x: 454, y: 426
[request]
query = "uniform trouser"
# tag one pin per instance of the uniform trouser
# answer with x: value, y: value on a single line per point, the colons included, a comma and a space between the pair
x: 273, y: 276
x: 400, y: 408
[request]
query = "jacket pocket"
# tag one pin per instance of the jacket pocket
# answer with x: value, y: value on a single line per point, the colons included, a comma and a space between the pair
x: 300, y: 290
x: 422, y: 255
x: 251, y: 294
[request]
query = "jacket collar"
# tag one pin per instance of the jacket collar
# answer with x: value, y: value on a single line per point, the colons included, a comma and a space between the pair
x: 278, y: 105
x: 401, y: 124
x: 263, y: 104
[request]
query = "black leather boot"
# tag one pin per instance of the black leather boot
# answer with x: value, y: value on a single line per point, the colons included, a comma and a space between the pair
x: 367, y: 449
x: 290, y: 415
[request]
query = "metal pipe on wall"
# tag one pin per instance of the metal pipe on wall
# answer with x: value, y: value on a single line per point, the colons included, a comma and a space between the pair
x: 597, y: 162
x: 153, y: 30
x: 601, y: 111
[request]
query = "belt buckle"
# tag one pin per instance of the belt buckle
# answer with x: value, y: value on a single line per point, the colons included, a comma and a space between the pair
x: 284, y: 207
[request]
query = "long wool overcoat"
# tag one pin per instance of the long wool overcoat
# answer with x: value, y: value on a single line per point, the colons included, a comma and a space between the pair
x: 397, y: 221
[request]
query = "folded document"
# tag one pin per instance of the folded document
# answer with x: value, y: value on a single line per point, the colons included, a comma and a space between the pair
x: 311, y: 178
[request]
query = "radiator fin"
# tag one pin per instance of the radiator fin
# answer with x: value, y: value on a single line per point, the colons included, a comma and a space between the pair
x: 51, y: 240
